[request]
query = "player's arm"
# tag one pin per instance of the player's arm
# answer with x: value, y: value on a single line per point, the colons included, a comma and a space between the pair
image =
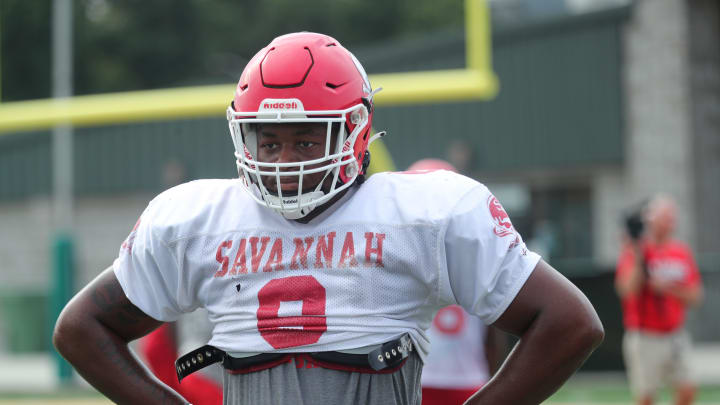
x: 558, y: 329
x: 93, y: 332
x: 631, y: 276
x: 495, y: 348
x: 690, y: 295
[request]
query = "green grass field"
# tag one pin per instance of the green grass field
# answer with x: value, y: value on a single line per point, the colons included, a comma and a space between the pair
x: 576, y: 393
x: 617, y: 393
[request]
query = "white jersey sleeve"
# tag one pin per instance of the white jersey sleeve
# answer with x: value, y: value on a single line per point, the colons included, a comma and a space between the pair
x: 148, y: 270
x: 487, y: 260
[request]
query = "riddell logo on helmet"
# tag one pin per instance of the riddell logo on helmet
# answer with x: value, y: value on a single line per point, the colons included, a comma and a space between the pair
x: 291, y: 104
x: 280, y: 106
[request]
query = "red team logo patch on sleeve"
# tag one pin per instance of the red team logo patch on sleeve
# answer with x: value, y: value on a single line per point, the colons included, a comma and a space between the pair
x: 503, y: 226
x: 128, y: 244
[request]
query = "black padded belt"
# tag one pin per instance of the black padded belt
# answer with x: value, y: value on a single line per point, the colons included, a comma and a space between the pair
x: 390, y: 354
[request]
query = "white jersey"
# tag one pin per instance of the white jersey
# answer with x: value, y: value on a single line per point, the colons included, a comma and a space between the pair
x: 457, y: 357
x: 376, y: 264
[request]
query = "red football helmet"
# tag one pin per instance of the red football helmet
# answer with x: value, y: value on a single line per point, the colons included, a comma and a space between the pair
x: 303, y: 77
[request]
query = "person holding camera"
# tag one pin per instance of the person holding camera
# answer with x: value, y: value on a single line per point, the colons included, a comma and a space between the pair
x: 657, y: 280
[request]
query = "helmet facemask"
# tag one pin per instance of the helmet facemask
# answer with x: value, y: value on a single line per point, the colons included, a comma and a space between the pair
x: 336, y: 168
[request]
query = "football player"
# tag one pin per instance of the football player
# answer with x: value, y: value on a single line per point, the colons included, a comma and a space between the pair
x: 320, y: 285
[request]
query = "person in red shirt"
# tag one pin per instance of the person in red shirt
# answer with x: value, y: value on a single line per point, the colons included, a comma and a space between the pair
x: 160, y: 348
x: 657, y: 280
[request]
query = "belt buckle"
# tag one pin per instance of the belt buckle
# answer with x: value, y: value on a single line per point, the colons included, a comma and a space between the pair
x: 390, y: 354
x: 196, y: 360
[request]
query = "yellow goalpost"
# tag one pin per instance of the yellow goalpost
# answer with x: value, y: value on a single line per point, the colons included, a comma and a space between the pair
x: 476, y: 82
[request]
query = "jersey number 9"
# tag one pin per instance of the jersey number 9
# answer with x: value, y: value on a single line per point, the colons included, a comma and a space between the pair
x: 291, y: 331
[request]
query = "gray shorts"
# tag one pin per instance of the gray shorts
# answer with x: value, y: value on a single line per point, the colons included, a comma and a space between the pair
x: 656, y: 359
x: 293, y: 383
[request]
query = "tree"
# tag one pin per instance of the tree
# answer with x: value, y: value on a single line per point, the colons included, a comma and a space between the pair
x: 123, y: 45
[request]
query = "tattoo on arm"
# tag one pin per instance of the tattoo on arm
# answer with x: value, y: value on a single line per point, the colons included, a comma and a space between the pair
x: 114, y: 310
x: 112, y: 301
x: 96, y: 328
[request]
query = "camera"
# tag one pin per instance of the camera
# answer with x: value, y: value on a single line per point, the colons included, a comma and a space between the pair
x: 634, y: 224
x: 634, y: 220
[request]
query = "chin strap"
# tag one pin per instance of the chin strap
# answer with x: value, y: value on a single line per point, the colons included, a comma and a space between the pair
x: 290, y: 201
